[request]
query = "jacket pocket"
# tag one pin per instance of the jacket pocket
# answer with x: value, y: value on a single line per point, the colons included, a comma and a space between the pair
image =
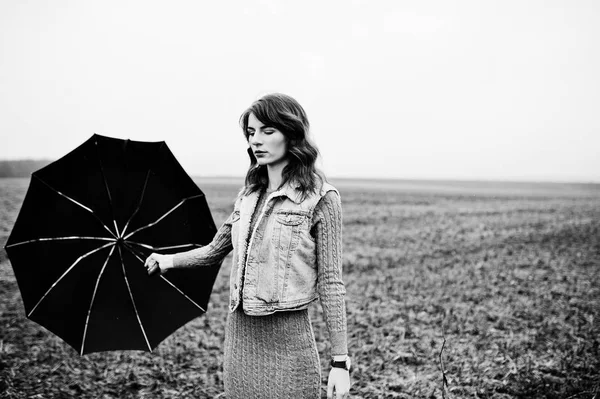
x: 289, y: 218
x: 286, y: 230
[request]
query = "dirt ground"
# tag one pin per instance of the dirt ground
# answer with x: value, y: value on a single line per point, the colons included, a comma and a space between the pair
x: 454, y: 290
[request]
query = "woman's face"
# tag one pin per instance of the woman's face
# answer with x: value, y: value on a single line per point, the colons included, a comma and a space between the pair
x: 268, y: 144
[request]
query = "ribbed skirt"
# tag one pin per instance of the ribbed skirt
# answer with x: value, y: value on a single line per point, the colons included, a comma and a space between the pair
x: 272, y: 356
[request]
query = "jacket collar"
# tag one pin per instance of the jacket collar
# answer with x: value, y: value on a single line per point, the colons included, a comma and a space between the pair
x: 290, y: 190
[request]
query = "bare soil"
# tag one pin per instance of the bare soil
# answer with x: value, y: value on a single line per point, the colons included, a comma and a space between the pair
x: 454, y: 290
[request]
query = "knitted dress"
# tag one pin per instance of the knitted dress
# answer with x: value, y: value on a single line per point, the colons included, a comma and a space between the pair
x: 275, y: 356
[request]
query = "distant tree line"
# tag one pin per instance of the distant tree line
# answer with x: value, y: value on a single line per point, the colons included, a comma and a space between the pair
x: 21, y: 168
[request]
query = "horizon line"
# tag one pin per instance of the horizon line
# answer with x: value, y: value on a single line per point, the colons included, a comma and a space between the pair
x: 510, y: 179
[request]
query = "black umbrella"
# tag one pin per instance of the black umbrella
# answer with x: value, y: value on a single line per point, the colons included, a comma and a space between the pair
x: 86, y: 225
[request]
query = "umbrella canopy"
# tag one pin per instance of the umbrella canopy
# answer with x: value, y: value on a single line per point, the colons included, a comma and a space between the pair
x: 79, y: 243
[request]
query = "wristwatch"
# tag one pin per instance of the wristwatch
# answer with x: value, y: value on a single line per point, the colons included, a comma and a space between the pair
x: 343, y: 364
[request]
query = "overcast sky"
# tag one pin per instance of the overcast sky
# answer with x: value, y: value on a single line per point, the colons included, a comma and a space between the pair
x: 505, y: 89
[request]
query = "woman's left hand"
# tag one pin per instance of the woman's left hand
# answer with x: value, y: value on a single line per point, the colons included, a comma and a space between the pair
x: 339, y: 381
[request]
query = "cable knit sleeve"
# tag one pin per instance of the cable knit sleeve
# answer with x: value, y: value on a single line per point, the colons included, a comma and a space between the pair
x: 210, y: 254
x: 327, y: 229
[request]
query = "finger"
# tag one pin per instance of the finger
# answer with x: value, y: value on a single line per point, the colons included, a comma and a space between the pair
x: 148, y: 261
x: 330, y: 388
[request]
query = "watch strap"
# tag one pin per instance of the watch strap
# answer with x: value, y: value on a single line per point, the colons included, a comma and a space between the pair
x: 340, y: 364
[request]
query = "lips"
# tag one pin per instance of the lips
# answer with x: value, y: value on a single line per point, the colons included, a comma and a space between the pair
x: 257, y: 153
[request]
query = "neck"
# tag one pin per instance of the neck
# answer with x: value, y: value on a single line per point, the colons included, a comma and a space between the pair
x: 275, y: 173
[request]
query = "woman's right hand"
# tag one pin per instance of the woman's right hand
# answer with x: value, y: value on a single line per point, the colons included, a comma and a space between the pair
x: 157, y: 263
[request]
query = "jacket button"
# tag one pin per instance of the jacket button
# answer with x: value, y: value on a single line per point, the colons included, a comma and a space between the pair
x: 235, y: 286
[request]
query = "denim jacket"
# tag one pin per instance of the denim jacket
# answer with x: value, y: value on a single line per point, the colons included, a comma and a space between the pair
x: 280, y: 271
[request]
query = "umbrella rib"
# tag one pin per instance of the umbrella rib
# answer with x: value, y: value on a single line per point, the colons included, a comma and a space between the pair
x: 87, y: 319
x: 133, y: 252
x: 164, y: 248
x: 66, y: 272
x: 139, y: 203
x: 133, y: 301
x: 183, y: 293
x: 77, y: 203
x: 61, y: 239
x: 163, y: 216
x: 171, y: 284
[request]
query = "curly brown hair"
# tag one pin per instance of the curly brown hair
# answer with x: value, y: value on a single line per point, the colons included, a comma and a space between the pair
x: 286, y: 115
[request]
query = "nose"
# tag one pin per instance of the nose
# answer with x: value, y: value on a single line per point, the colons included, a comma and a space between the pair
x: 255, y: 140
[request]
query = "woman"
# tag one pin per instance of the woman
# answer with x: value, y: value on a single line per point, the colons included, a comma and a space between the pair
x: 285, y: 231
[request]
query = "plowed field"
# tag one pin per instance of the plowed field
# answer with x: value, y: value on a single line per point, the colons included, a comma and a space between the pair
x: 455, y: 290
